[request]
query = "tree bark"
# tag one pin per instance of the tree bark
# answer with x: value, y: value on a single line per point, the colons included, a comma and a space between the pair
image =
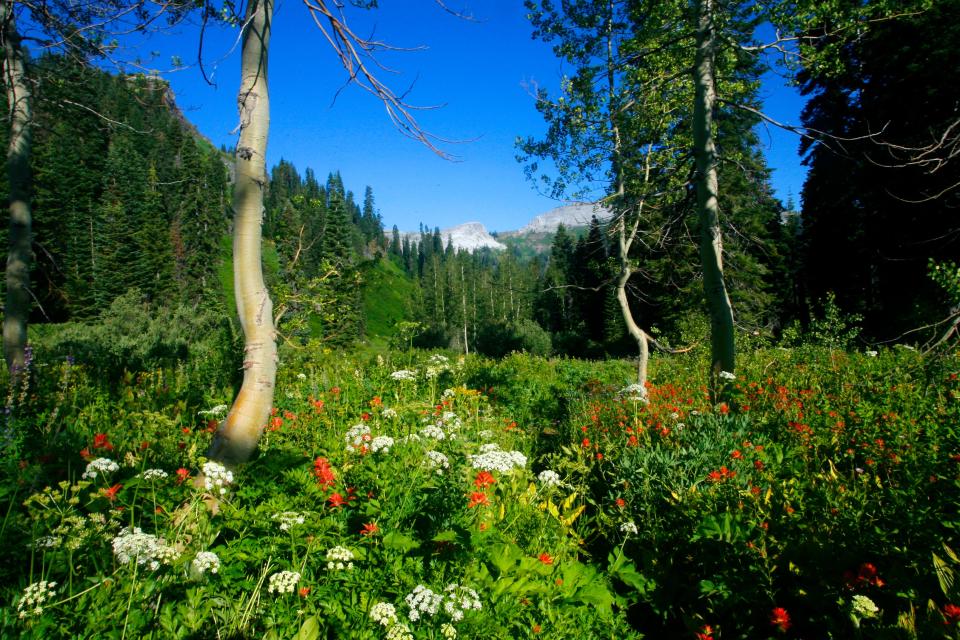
x: 17, y: 310
x: 722, y: 351
x: 638, y: 334
x: 237, y: 437
x: 625, y: 239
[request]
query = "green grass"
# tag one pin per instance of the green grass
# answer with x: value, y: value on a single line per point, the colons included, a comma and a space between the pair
x: 387, y: 293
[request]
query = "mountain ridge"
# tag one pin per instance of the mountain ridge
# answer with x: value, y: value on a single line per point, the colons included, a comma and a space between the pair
x: 474, y: 235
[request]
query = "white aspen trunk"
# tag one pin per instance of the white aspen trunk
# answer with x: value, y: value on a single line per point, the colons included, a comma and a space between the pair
x: 625, y: 241
x: 19, y: 253
x: 463, y: 298
x: 638, y: 334
x: 722, y: 350
x: 237, y: 437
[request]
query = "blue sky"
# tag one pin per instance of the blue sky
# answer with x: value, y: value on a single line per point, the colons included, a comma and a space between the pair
x: 481, y: 72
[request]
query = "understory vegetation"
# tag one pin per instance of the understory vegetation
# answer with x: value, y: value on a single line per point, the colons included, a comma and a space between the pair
x: 423, y: 494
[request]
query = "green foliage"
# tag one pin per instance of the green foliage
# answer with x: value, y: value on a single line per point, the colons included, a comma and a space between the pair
x: 832, y: 328
x: 133, y: 335
x: 876, y: 214
x: 380, y: 507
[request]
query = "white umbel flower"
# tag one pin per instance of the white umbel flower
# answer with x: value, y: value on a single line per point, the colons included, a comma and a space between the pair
x: 33, y: 598
x: 216, y: 477
x: 98, y: 466
x: 154, y: 474
x: 339, y: 559
x: 491, y: 458
x: 459, y: 600
x: 288, y: 519
x: 399, y: 631
x: 437, y: 461
x: 628, y: 528
x: 864, y: 607
x: 403, y: 375
x: 384, y: 613
x: 283, y: 582
x: 423, y: 601
x: 381, y: 443
x: 205, y: 562
x: 549, y: 478
x: 133, y: 545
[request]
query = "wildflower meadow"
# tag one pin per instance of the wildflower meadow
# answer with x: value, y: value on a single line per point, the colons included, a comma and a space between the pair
x: 407, y: 494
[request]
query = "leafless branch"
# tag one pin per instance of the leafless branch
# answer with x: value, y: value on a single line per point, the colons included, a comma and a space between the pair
x: 355, y: 54
x: 111, y: 121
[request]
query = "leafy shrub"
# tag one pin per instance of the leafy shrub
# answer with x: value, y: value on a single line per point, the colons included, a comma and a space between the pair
x: 133, y: 335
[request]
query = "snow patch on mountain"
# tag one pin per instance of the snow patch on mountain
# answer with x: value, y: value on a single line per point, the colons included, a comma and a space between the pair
x: 469, y: 235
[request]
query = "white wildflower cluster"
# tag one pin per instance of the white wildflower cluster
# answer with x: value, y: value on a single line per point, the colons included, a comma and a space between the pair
x: 214, y: 412
x: 357, y: 436
x: 870, y: 353
x: 381, y: 443
x: 301, y: 376
x: 492, y: 458
x: 448, y: 631
x: 389, y: 413
x: 459, y: 600
x: 154, y: 474
x: 864, y: 607
x: 450, y: 420
x: 283, y: 582
x: 549, y: 478
x: 98, y: 466
x: 423, y: 601
x: 436, y: 365
x: 216, y: 477
x: 437, y: 461
x: 635, y: 392
x: 133, y: 545
x: 628, y: 528
x: 399, y: 631
x: 726, y: 375
x: 47, y: 542
x: 404, y: 375
x: 447, y: 394
x: 288, y: 519
x: 486, y: 434
x: 33, y: 598
x: 205, y: 562
x: 384, y: 613
x: 339, y: 559
x: 433, y: 431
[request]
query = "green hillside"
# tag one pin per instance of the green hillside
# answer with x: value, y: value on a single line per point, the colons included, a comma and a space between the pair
x: 387, y: 294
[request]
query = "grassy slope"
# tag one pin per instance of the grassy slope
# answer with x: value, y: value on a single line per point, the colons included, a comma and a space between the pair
x: 387, y: 292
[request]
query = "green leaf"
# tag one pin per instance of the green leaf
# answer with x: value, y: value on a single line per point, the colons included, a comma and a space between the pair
x: 310, y: 630
x: 399, y: 542
x: 445, y: 536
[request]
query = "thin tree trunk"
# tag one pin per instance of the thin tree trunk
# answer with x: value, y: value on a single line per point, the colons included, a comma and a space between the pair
x: 625, y: 241
x: 722, y: 351
x: 236, y: 440
x: 17, y: 310
x: 638, y: 334
x: 463, y: 291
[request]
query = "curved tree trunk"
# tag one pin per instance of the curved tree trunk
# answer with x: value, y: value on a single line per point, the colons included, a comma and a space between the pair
x: 711, y: 244
x: 237, y: 437
x: 638, y: 334
x: 17, y: 309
